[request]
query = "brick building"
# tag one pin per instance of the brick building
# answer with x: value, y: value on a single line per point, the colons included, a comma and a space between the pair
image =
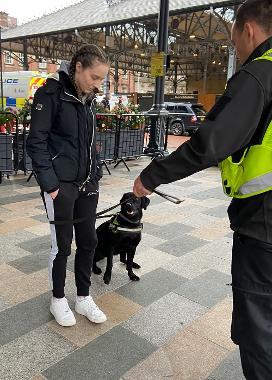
x: 14, y: 62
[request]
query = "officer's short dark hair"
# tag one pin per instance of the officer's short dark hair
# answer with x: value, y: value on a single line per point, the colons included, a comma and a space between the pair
x: 259, y: 11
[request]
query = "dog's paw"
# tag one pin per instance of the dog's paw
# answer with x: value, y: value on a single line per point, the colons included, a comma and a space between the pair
x: 97, y: 270
x: 133, y: 277
x: 136, y: 266
x: 107, y: 278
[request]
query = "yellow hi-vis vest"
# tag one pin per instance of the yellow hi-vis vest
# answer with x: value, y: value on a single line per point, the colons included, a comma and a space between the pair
x: 252, y: 175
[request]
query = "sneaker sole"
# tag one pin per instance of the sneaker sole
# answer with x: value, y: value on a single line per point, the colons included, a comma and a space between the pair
x: 91, y: 320
x: 63, y: 323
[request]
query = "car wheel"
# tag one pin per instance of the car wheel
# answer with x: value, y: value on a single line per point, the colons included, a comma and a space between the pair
x: 177, y: 128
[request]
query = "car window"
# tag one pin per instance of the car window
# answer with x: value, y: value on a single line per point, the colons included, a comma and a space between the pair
x: 182, y: 109
x: 199, y: 111
x: 170, y: 108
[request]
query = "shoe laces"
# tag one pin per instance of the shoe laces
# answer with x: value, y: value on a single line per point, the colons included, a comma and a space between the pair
x: 63, y: 304
x: 92, y: 305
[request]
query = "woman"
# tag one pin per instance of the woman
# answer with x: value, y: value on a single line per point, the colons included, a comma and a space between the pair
x: 62, y: 146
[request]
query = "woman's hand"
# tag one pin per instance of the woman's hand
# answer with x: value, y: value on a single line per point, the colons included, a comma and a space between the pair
x: 54, y: 194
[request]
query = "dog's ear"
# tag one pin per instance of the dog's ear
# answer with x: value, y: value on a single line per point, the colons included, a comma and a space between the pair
x: 125, y: 197
x: 145, y: 202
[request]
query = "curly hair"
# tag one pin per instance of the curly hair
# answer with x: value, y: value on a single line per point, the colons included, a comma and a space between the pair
x: 259, y: 11
x: 87, y: 55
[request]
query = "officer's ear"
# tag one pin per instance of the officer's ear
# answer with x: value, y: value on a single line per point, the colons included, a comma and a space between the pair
x: 145, y: 202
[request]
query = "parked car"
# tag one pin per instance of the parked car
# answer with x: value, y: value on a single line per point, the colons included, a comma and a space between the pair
x: 182, y: 118
x: 199, y: 111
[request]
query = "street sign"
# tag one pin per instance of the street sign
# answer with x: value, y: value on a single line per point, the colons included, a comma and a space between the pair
x: 158, y: 64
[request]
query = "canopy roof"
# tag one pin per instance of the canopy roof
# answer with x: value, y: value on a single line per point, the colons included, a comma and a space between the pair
x: 94, y: 13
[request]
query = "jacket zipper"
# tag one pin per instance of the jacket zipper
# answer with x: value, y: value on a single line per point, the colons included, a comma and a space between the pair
x: 82, y: 187
x: 56, y: 156
x: 72, y: 96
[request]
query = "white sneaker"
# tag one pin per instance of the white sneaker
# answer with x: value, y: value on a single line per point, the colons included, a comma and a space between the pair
x: 63, y: 314
x: 87, y: 307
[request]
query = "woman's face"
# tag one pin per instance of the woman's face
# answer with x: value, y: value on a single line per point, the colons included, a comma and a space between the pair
x: 90, y: 78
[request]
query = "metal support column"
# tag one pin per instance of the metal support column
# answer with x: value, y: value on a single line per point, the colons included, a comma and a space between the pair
x: 156, y: 145
x: 26, y: 67
x: 205, y: 74
x: 232, y: 62
x: 207, y: 58
x: 106, y: 86
x: 1, y: 72
x: 232, y: 54
x: 116, y: 76
x: 175, y: 81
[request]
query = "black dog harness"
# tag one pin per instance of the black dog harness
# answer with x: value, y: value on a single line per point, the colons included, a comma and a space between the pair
x: 115, y: 227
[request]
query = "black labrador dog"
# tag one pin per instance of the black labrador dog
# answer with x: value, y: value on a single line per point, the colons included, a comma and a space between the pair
x: 121, y: 235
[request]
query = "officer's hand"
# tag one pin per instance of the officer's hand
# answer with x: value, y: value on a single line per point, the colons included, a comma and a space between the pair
x: 139, y: 190
x: 54, y: 194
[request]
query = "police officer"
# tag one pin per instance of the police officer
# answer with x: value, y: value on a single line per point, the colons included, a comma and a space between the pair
x: 237, y: 135
x: 62, y: 146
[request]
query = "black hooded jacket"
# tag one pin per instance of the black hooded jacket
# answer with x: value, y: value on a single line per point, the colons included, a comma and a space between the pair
x: 61, y: 142
x: 237, y: 120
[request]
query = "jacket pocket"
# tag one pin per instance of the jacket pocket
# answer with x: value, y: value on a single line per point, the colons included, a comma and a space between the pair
x: 66, y: 168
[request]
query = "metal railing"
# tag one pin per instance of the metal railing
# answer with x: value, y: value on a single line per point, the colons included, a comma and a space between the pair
x: 124, y: 137
x: 119, y: 138
x: 6, y: 143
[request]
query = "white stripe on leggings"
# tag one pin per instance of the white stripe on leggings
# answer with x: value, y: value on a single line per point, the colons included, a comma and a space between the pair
x: 54, y: 246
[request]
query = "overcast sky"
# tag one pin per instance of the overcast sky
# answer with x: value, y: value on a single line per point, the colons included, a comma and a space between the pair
x: 26, y: 10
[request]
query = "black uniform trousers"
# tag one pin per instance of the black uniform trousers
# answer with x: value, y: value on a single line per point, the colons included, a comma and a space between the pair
x: 70, y: 204
x: 252, y: 305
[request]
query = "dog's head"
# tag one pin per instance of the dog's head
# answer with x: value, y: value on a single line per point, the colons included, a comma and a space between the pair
x: 132, y: 206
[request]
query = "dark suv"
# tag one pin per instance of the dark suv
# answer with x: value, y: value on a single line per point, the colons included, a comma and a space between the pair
x: 199, y: 111
x: 182, y: 118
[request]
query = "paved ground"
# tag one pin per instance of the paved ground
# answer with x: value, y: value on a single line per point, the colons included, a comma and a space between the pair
x: 173, y: 324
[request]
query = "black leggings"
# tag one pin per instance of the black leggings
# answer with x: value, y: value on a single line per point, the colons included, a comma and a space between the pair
x: 71, y: 204
x: 252, y: 305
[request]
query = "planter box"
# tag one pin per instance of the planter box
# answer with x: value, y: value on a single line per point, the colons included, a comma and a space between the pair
x: 22, y: 161
x: 106, y: 141
x: 131, y: 143
x: 6, y: 163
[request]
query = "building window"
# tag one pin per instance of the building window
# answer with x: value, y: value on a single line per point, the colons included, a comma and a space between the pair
x: 43, y: 65
x: 21, y: 59
x: 8, y: 58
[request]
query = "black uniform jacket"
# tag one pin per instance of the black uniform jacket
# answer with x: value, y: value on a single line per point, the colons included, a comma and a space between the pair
x: 61, y: 141
x: 236, y: 121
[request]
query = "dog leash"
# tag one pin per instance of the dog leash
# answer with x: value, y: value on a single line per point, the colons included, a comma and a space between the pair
x: 83, y: 219
x: 168, y: 197
x: 100, y: 214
